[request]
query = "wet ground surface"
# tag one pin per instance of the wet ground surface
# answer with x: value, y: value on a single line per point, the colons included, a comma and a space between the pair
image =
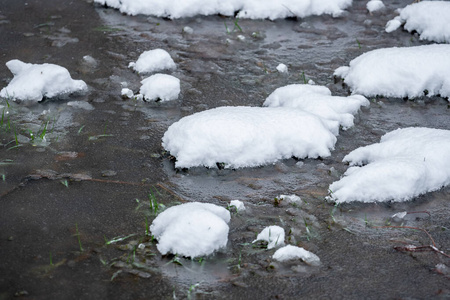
x: 88, y: 176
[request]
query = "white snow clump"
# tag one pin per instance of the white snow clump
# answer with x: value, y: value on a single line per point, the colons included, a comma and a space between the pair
x: 333, y: 110
x: 247, y: 9
x: 191, y: 229
x: 405, y: 164
x: 429, y: 18
x: 33, y: 82
x: 291, y: 198
x: 290, y: 252
x: 160, y: 87
x: 282, y: 68
x: 246, y: 137
x: 374, y: 5
x: 155, y: 60
x: 273, y: 235
x: 239, y: 205
x: 400, y: 72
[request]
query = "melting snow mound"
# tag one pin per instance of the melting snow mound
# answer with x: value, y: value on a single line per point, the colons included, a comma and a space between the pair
x: 405, y: 164
x: 290, y: 252
x: 400, y: 72
x: 33, y: 82
x: 249, y: 9
x: 191, y: 229
x: 155, y: 60
x: 246, y: 137
x: 160, y: 87
x: 429, y: 18
x: 273, y: 235
x: 317, y: 100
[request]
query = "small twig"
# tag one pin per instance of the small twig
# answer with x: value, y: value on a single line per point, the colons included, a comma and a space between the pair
x: 409, y: 227
x: 170, y: 192
x: 412, y: 248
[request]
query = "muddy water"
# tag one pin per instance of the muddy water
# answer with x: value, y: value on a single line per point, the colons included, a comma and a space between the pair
x: 65, y: 198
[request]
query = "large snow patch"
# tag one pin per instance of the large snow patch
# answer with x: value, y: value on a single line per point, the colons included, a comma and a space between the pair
x: 405, y: 164
x: 431, y: 19
x: 247, y: 137
x: 191, y: 229
x: 33, y: 82
x: 250, y: 9
x: 400, y: 72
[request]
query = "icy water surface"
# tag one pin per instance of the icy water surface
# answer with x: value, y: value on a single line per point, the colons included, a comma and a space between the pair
x: 76, y: 198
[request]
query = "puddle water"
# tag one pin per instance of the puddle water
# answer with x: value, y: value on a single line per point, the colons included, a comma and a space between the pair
x: 76, y: 185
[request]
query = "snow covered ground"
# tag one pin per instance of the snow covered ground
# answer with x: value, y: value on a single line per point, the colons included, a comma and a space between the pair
x: 248, y: 9
x: 429, y: 18
x: 33, y: 82
x: 405, y: 164
x: 400, y: 72
x: 191, y: 229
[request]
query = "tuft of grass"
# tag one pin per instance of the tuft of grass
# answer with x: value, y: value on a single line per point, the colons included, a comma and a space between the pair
x: 65, y: 183
x: 117, y: 239
x: 78, y: 237
x: 359, y: 44
x: 304, y: 78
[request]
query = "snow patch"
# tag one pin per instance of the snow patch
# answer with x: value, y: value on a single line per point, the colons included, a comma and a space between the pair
x: 160, y: 87
x: 33, y: 82
x: 239, y: 205
x: 246, y: 137
x: 153, y: 61
x: 273, y: 235
x: 333, y: 110
x: 191, y: 229
x: 247, y: 9
x: 290, y: 252
x: 429, y: 18
x: 405, y: 164
x: 400, y: 72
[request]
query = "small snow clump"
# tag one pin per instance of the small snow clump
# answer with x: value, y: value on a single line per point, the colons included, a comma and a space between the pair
x: 160, y: 87
x: 282, y: 68
x: 290, y: 252
x: 400, y: 72
x: 429, y: 18
x: 239, y: 205
x: 375, y: 5
x: 291, y: 198
x: 273, y: 235
x: 191, y: 229
x: 33, y: 82
x: 405, y: 164
x: 155, y: 60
